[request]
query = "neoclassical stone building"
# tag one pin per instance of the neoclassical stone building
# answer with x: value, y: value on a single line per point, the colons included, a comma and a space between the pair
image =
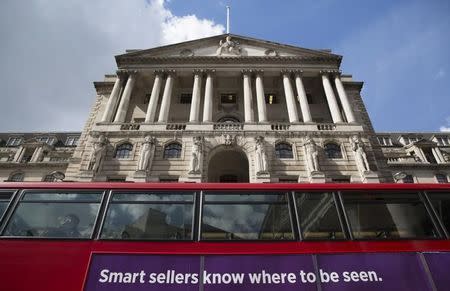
x: 230, y: 108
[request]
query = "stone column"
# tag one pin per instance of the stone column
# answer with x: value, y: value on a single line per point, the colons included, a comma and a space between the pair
x: 113, y: 98
x: 153, y: 102
x: 248, y: 96
x: 331, y: 98
x: 125, y: 100
x: 260, y: 98
x: 208, y: 103
x: 290, y: 101
x: 196, y: 91
x: 166, y: 99
x: 37, y: 154
x: 304, y: 106
x: 344, y: 99
x: 438, y: 155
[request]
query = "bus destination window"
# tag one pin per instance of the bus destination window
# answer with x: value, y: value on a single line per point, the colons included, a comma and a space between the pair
x: 54, y: 215
x: 246, y: 216
x: 387, y: 216
x: 149, y: 216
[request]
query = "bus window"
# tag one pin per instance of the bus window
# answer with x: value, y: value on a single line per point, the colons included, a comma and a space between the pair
x: 54, y: 215
x: 149, y: 216
x: 387, y: 216
x: 5, y: 197
x: 246, y: 216
x: 441, y: 204
x: 318, y: 216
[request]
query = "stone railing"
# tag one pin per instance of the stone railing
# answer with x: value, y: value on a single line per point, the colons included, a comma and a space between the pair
x: 279, y: 126
x: 130, y: 126
x: 228, y: 126
x: 326, y: 126
x: 176, y: 126
x: 402, y: 160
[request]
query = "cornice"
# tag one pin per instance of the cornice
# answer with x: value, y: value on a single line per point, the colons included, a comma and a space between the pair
x: 103, y: 87
x: 228, y: 60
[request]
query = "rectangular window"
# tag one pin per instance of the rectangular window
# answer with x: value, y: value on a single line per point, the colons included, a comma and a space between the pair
x: 186, y: 98
x: 387, y: 216
x: 155, y: 215
x: 228, y: 98
x: 246, y: 216
x: 147, y: 98
x: 318, y: 216
x: 441, y: 178
x: 72, y: 141
x: 409, y: 179
x: 5, y: 198
x: 14, y: 141
x: 441, y: 205
x: 271, y: 98
x: 55, y: 215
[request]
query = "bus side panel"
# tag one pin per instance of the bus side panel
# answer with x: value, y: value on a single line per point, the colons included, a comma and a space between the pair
x: 43, y: 265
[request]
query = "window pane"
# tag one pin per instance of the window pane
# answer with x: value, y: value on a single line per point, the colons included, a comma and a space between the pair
x: 318, y: 216
x: 39, y: 196
x: 5, y: 197
x: 148, y: 221
x: 55, y: 220
x: 154, y: 196
x: 246, y: 222
x: 244, y: 197
x: 387, y: 215
x: 441, y: 204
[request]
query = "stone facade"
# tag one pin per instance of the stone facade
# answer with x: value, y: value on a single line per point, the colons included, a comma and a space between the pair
x: 231, y: 109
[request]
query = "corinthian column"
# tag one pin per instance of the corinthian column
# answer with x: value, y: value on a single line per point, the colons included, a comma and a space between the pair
x: 208, y: 103
x: 248, y: 97
x: 196, y: 91
x: 262, y: 111
x: 125, y: 100
x: 113, y: 98
x: 304, y: 106
x: 290, y: 101
x: 332, y: 103
x: 167, y: 96
x: 344, y: 99
x: 152, y: 104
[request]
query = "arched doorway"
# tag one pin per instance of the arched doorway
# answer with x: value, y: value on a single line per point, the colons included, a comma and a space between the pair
x: 228, y: 166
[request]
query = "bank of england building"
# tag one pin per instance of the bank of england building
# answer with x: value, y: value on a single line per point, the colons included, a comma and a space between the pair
x: 227, y: 108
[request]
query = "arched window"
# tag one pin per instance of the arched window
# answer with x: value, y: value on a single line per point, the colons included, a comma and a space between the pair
x: 409, y: 179
x: 16, y: 177
x: 123, y: 151
x: 283, y: 150
x: 333, y: 151
x: 172, y: 150
x: 49, y: 178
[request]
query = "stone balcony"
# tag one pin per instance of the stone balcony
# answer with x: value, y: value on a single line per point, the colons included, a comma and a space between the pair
x: 192, y: 127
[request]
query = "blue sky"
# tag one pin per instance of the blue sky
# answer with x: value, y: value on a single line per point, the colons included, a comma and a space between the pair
x: 53, y: 50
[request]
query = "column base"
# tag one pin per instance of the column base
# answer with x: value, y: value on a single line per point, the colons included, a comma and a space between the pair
x: 140, y: 176
x: 192, y: 178
x: 370, y: 177
x: 263, y: 177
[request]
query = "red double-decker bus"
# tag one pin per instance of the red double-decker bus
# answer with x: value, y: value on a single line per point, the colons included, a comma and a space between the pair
x: 190, y: 236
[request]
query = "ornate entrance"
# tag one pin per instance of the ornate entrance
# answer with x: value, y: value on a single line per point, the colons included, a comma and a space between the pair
x: 228, y: 166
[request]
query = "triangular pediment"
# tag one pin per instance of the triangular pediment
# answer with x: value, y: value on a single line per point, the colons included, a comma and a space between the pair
x: 228, y: 45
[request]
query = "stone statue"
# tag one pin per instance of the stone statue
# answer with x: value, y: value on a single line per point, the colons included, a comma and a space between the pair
x: 228, y: 47
x: 196, y: 156
x: 261, y: 157
x: 312, y: 155
x: 360, y: 154
x: 98, y: 154
x: 146, y: 154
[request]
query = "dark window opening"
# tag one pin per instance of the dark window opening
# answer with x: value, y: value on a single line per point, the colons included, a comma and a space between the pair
x: 333, y: 151
x: 185, y: 98
x: 284, y: 151
x: 123, y: 151
x: 271, y: 98
x: 409, y: 179
x: 228, y: 98
x: 441, y: 178
x: 172, y: 150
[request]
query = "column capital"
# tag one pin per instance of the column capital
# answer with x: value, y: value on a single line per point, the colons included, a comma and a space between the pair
x: 158, y: 72
x: 286, y: 72
x: 210, y: 71
x: 170, y: 72
x: 330, y: 72
x: 298, y: 72
x: 121, y: 73
x: 198, y: 71
x: 259, y: 72
x: 247, y: 71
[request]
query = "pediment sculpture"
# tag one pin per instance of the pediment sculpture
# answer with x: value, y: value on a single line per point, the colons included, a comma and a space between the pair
x: 229, y: 47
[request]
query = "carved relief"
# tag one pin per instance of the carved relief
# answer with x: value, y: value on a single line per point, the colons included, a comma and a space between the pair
x: 187, y: 53
x: 229, y: 47
x: 196, y: 156
x: 271, y: 53
x: 311, y: 155
x: 360, y: 154
x: 98, y: 154
x: 260, y: 156
x: 147, y: 153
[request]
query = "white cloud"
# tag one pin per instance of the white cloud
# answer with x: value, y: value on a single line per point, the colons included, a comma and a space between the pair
x: 446, y: 127
x: 52, y: 51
